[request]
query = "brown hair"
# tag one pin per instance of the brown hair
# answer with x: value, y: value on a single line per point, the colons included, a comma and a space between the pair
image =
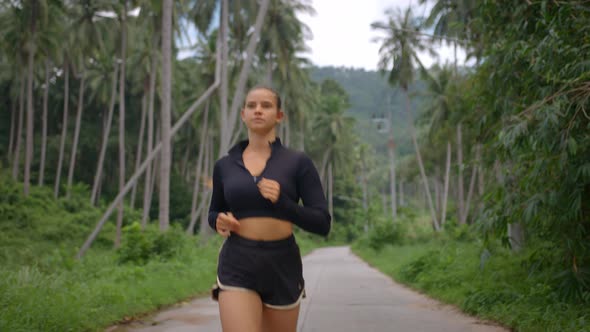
x: 266, y: 87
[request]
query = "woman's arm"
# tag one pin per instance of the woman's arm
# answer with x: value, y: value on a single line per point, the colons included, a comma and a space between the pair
x: 313, y: 216
x: 218, y: 203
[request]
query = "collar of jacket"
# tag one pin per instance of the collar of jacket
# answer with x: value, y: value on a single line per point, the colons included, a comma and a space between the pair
x: 237, y: 150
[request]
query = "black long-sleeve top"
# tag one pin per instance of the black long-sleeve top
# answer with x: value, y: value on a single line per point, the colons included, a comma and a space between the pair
x: 235, y: 190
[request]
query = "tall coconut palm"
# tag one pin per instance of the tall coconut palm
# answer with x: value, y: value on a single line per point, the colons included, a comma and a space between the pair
x: 283, y: 39
x: 99, y: 83
x: 398, y: 57
x: 282, y: 35
x: 166, y: 154
x: 227, y: 132
x: 123, y: 26
x: 83, y: 26
x: 50, y: 35
x: 32, y: 11
x: 21, y: 29
x: 330, y: 123
x: 450, y: 21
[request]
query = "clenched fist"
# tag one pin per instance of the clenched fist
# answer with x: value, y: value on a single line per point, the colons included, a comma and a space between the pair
x: 226, y: 223
x: 270, y: 189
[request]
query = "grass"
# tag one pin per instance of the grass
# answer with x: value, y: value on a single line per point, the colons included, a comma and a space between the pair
x: 495, y: 286
x: 44, y: 288
x: 96, y: 291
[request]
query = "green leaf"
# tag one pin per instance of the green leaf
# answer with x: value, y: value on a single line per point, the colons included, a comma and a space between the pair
x: 572, y: 146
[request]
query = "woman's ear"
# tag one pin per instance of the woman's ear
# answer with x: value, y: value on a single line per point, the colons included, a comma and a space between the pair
x: 280, y: 116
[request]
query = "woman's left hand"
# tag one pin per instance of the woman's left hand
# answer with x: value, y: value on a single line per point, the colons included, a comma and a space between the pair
x: 270, y: 189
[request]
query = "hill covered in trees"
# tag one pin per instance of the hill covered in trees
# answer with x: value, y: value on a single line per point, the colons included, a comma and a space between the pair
x: 372, y: 97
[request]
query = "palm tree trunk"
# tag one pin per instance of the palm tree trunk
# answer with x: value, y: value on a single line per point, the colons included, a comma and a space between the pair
x: 515, y: 231
x: 420, y: 164
x: 64, y: 127
x: 480, y: 182
x: 184, y: 162
x: 302, y: 132
x: 285, y: 124
x: 269, y: 69
x: 228, y: 130
x: 76, y: 133
x: 154, y: 177
x: 30, y: 115
x: 122, y: 121
x: 401, y: 193
x: 223, y: 89
x: 166, y: 154
x: 140, y: 141
x: 437, y: 192
x: 330, y: 192
x: 19, y: 130
x: 149, y: 158
x: 460, y: 195
x: 105, y: 138
x: 147, y: 191
x: 446, y: 188
x: 392, y: 184
x: 204, y: 229
x: 471, y: 185
x: 198, y: 176
x: 325, y: 160
x: 13, y: 117
x: 44, y: 126
x: 455, y: 54
x: 365, y: 196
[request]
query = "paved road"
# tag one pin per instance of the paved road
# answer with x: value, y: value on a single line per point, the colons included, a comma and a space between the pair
x: 344, y: 294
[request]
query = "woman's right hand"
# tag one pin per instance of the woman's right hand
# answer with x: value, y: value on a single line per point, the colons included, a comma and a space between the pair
x: 226, y: 223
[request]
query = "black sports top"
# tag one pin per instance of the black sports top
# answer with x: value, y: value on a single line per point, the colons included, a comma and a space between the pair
x: 235, y: 189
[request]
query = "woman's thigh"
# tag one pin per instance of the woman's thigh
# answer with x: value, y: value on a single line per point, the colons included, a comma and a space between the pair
x: 240, y: 311
x: 274, y: 320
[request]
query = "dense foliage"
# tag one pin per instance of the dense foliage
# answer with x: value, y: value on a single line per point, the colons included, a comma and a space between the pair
x: 535, y: 87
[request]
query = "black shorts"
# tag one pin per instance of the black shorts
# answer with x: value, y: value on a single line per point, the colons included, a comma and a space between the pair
x: 273, y: 269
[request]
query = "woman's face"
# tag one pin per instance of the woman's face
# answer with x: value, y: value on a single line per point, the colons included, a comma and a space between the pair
x: 260, y: 112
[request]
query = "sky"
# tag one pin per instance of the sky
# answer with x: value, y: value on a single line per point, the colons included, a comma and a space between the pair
x: 342, y: 32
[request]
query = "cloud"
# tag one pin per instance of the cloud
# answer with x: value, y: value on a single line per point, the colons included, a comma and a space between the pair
x: 342, y: 35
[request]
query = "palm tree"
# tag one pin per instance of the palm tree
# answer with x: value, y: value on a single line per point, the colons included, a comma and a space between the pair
x: 166, y: 154
x: 84, y: 27
x: 123, y: 25
x: 331, y: 124
x: 282, y: 39
x: 282, y: 35
x: 105, y: 88
x: 227, y: 132
x: 49, y: 38
x: 450, y: 20
x: 21, y: 28
x: 398, y: 57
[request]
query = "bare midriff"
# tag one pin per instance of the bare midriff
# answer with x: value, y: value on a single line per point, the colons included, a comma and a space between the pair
x: 264, y: 228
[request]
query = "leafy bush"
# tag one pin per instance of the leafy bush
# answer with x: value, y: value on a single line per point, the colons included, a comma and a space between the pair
x: 457, y: 232
x: 412, y: 270
x: 139, y: 246
x: 386, y: 233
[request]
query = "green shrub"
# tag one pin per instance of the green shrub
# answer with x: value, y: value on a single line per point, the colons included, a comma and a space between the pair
x: 485, y: 300
x: 139, y: 246
x: 410, y: 271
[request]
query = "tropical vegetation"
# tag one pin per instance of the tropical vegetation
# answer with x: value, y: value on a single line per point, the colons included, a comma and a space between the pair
x: 470, y: 182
